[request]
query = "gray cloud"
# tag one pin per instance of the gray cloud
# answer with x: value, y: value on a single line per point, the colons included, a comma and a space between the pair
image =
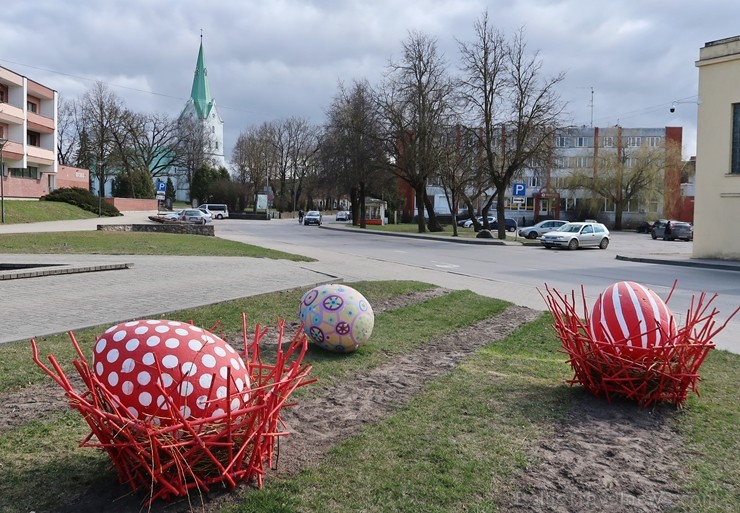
x: 271, y: 59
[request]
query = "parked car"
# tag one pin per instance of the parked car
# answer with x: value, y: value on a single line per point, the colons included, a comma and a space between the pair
x: 510, y: 224
x: 312, y: 217
x: 343, y: 215
x: 679, y: 230
x: 217, y: 210
x: 469, y: 222
x: 172, y: 216
x: 207, y: 212
x: 576, y: 235
x: 532, y: 232
x: 194, y: 215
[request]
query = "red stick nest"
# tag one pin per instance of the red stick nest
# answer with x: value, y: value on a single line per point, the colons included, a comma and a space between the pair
x: 168, y: 461
x: 661, y: 373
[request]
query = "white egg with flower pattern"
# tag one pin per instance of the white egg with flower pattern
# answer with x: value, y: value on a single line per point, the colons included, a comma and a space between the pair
x: 162, y: 371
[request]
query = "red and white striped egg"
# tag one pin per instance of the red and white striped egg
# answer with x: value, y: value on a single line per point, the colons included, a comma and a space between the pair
x: 632, y: 318
x: 200, y: 374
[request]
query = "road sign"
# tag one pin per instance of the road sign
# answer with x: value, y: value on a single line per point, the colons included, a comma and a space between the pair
x: 519, y: 189
x: 161, y: 186
x: 518, y: 200
x: 160, y: 195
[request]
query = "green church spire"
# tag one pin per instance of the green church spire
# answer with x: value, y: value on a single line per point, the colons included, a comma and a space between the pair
x: 201, y: 93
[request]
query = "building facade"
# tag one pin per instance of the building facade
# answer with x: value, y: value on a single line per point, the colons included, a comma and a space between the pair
x: 717, y: 201
x: 583, y: 149
x: 28, y: 125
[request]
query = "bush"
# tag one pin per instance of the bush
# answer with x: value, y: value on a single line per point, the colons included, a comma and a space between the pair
x: 83, y: 199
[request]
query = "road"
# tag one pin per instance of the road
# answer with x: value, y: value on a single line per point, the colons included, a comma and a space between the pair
x: 512, y: 272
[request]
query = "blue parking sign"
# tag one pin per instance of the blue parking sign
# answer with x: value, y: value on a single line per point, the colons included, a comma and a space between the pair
x: 519, y: 189
x: 161, y: 187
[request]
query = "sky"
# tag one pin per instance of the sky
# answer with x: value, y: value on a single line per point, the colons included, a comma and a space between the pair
x: 625, y: 62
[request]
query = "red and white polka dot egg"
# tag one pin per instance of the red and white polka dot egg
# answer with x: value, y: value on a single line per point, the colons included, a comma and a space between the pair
x: 633, y: 319
x: 200, y: 374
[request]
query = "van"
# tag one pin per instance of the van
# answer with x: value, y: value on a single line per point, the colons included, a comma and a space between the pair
x: 217, y: 210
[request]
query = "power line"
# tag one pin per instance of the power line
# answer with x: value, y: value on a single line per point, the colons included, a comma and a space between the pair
x: 154, y: 93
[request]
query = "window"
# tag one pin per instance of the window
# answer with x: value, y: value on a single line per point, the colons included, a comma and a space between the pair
x: 558, y: 162
x: 583, y: 142
x: 654, y: 142
x: 609, y: 142
x: 24, y: 172
x: 533, y: 181
x: 31, y: 106
x: 582, y: 162
x: 735, y: 156
x: 33, y: 138
x: 562, y: 142
x: 634, y: 141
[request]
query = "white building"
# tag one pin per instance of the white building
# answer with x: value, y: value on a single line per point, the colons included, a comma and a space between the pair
x: 717, y: 202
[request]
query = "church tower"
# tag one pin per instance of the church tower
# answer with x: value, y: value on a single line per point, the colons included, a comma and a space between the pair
x: 202, y: 106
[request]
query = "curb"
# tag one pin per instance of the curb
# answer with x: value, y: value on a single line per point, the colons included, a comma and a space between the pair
x: 56, y: 269
x: 681, y: 263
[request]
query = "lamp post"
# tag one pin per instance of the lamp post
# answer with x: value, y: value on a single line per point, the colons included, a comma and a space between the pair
x: 2, y: 179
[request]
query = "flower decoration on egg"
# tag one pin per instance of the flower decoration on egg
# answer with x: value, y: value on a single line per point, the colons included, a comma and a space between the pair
x: 336, y: 317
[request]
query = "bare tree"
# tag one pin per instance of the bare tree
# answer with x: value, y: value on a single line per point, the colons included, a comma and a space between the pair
x: 254, y: 158
x: 100, y: 112
x: 459, y: 170
x: 194, y: 142
x: 294, y: 142
x: 352, y: 150
x: 514, y: 109
x: 68, y: 132
x: 415, y: 101
x: 155, y: 141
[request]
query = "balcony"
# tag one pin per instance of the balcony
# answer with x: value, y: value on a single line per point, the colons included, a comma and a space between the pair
x: 39, y: 123
x: 11, y: 114
x: 39, y: 156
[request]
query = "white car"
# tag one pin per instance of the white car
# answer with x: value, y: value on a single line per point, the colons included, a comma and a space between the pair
x: 532, y: 232
x: 576, y: 235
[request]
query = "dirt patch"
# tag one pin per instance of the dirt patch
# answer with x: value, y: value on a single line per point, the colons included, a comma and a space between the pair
x: 370, y: 396
x: 604, y: 457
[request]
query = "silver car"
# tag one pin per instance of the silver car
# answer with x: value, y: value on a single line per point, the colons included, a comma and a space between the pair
x: 532, y: 232
x: 576, y: 235
x: 194, y: 215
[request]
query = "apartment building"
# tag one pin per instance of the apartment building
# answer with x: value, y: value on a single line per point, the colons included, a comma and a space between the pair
x: 28, y: 124
x: 584, y: 149
x: 717, y: 201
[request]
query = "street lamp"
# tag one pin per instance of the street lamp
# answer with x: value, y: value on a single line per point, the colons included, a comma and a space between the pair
x: 2, y: 178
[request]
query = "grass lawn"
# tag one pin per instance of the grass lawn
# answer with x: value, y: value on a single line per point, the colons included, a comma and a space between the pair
x: 134, y: 243
x: 455, y: 447
x: 35, y: 211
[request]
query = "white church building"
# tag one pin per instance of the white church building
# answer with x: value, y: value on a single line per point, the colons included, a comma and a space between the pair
x: 201, y: 105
